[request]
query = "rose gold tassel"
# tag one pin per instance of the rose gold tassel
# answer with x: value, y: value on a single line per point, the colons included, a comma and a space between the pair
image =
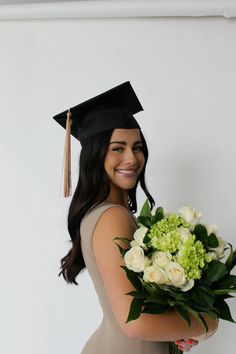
x: 67, y: 158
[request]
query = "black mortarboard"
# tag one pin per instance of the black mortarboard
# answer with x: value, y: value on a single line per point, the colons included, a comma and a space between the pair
x: 109, y: 110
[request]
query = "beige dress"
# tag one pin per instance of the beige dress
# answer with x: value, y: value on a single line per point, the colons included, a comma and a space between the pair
x: 109, y: 337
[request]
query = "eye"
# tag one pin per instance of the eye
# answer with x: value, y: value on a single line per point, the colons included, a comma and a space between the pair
x: 118, y: 149
x: 138, y: 148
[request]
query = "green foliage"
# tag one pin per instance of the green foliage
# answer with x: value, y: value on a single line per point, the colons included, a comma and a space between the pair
x: 183, y: 313
x: 132, y: 276
x: 203, y: 296
x: 144, y: 220
x: 154, y: 308
x: 224, y: 311
x: 122, y: 250
x: 228, y: 282
x: 135, y: 309
x: 212, y: 241
x: 146, y: 210
x: 159, y: 213
x: 197, y: 316
x: 215, y: 271
x: 173, y: 348
x: 125, y: 240
x: 201, y: 234
x: 231, y: 260
x: 139, y: 294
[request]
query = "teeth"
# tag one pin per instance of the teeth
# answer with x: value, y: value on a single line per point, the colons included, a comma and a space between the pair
x: 126, y: 172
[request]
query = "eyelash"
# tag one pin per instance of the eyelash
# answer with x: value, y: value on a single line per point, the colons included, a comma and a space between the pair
x: 139, y: 148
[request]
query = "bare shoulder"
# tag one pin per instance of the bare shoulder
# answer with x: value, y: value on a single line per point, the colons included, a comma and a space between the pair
x: 114, y: 221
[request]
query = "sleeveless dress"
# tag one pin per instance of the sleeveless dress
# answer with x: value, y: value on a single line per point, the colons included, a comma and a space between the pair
x: 109, y: 337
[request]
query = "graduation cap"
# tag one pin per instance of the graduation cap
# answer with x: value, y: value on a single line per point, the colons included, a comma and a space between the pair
x: 108, y: 110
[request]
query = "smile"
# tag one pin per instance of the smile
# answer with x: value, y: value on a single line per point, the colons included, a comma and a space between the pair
x: 129, y: 173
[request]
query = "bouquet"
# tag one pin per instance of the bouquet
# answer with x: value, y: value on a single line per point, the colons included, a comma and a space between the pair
x: 175, y: 262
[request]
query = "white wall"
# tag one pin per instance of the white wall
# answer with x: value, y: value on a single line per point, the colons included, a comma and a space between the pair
x: 183, y: 71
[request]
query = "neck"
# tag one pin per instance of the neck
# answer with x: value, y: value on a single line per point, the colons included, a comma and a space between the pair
x: 118, y: 196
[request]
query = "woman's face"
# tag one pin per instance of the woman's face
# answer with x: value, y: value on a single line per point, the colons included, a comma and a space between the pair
x: 124, y: 159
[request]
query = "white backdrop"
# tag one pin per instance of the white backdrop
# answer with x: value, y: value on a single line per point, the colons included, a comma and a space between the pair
x: 183, y: 70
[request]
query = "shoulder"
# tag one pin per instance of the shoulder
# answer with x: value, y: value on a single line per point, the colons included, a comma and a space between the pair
x: 115, y: 220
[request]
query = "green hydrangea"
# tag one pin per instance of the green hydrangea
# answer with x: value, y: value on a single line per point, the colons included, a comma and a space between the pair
x: 169, y: 242
x: 172, y: 222
x: 164, y: 234
x: 192, y: 257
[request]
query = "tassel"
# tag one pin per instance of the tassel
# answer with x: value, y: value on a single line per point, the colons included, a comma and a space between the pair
x: 67, y: 158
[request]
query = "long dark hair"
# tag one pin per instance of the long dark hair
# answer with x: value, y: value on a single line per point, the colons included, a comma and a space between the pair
x: 88, y: 194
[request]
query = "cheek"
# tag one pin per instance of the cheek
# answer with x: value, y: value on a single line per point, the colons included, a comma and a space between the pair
x: 110, y: 161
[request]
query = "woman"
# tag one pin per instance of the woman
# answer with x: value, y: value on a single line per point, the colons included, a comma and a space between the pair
x: 112, y: 164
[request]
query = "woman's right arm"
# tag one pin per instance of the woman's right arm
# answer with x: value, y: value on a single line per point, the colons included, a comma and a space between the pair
x: 169, y: 326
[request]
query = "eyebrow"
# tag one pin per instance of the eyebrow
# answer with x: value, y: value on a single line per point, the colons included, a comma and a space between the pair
x: 124, y: 142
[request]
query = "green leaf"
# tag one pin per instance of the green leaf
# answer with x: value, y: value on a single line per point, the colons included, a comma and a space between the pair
x: 159, y: 297
x: 122, y: 250
x: 135, y: 310
x: 159, y: 214
x: 225, y: 296
x: 213, y: 314
x: 212, y: 241
x: 148, y: 286
x: 144, y: 220
x: 146, y: 239
x: 203, y: 296
x: 139, y: 294
x: 223, y: 291
x: 216, y: 271
x: 173, y: 348
x: 226, y: 283
x: 230, y: 259
x: 154, y: 308
x: 133, y: 277
x: 146, y: 210
x: 201, y: 234
x: 125, y: 240
x: 197, y: 316
x: 183, y: 313
x: 224, y: 311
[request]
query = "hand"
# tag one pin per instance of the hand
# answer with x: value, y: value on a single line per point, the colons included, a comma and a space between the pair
x: 186, y: 345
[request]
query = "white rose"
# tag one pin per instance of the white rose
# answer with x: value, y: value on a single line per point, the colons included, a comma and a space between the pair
x: 156, y: 275
x: 133, y: 243
x: 134, y: 259
x: 219, y: 250
x: 139, y: 236
x: 190, y: 215
x: 211, y: 229
x: 184, y: 234
x: 212, y: 256
x: 161, y: 259
x: 176, y: 274
x: 189, y: 284
x: 148, y: 262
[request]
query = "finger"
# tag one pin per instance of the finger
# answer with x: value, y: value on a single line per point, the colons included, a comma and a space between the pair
x: 192, y: 342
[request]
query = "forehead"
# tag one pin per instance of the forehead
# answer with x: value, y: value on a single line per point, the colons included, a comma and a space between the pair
x: 126, y: 135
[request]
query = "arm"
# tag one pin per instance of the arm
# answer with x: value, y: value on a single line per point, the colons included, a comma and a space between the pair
x: 114, y: 222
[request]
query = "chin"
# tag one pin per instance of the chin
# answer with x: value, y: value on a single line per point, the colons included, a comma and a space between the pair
x: 127, y: 186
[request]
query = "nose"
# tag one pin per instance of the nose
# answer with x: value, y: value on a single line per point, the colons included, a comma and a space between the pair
x: 130, y: 158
